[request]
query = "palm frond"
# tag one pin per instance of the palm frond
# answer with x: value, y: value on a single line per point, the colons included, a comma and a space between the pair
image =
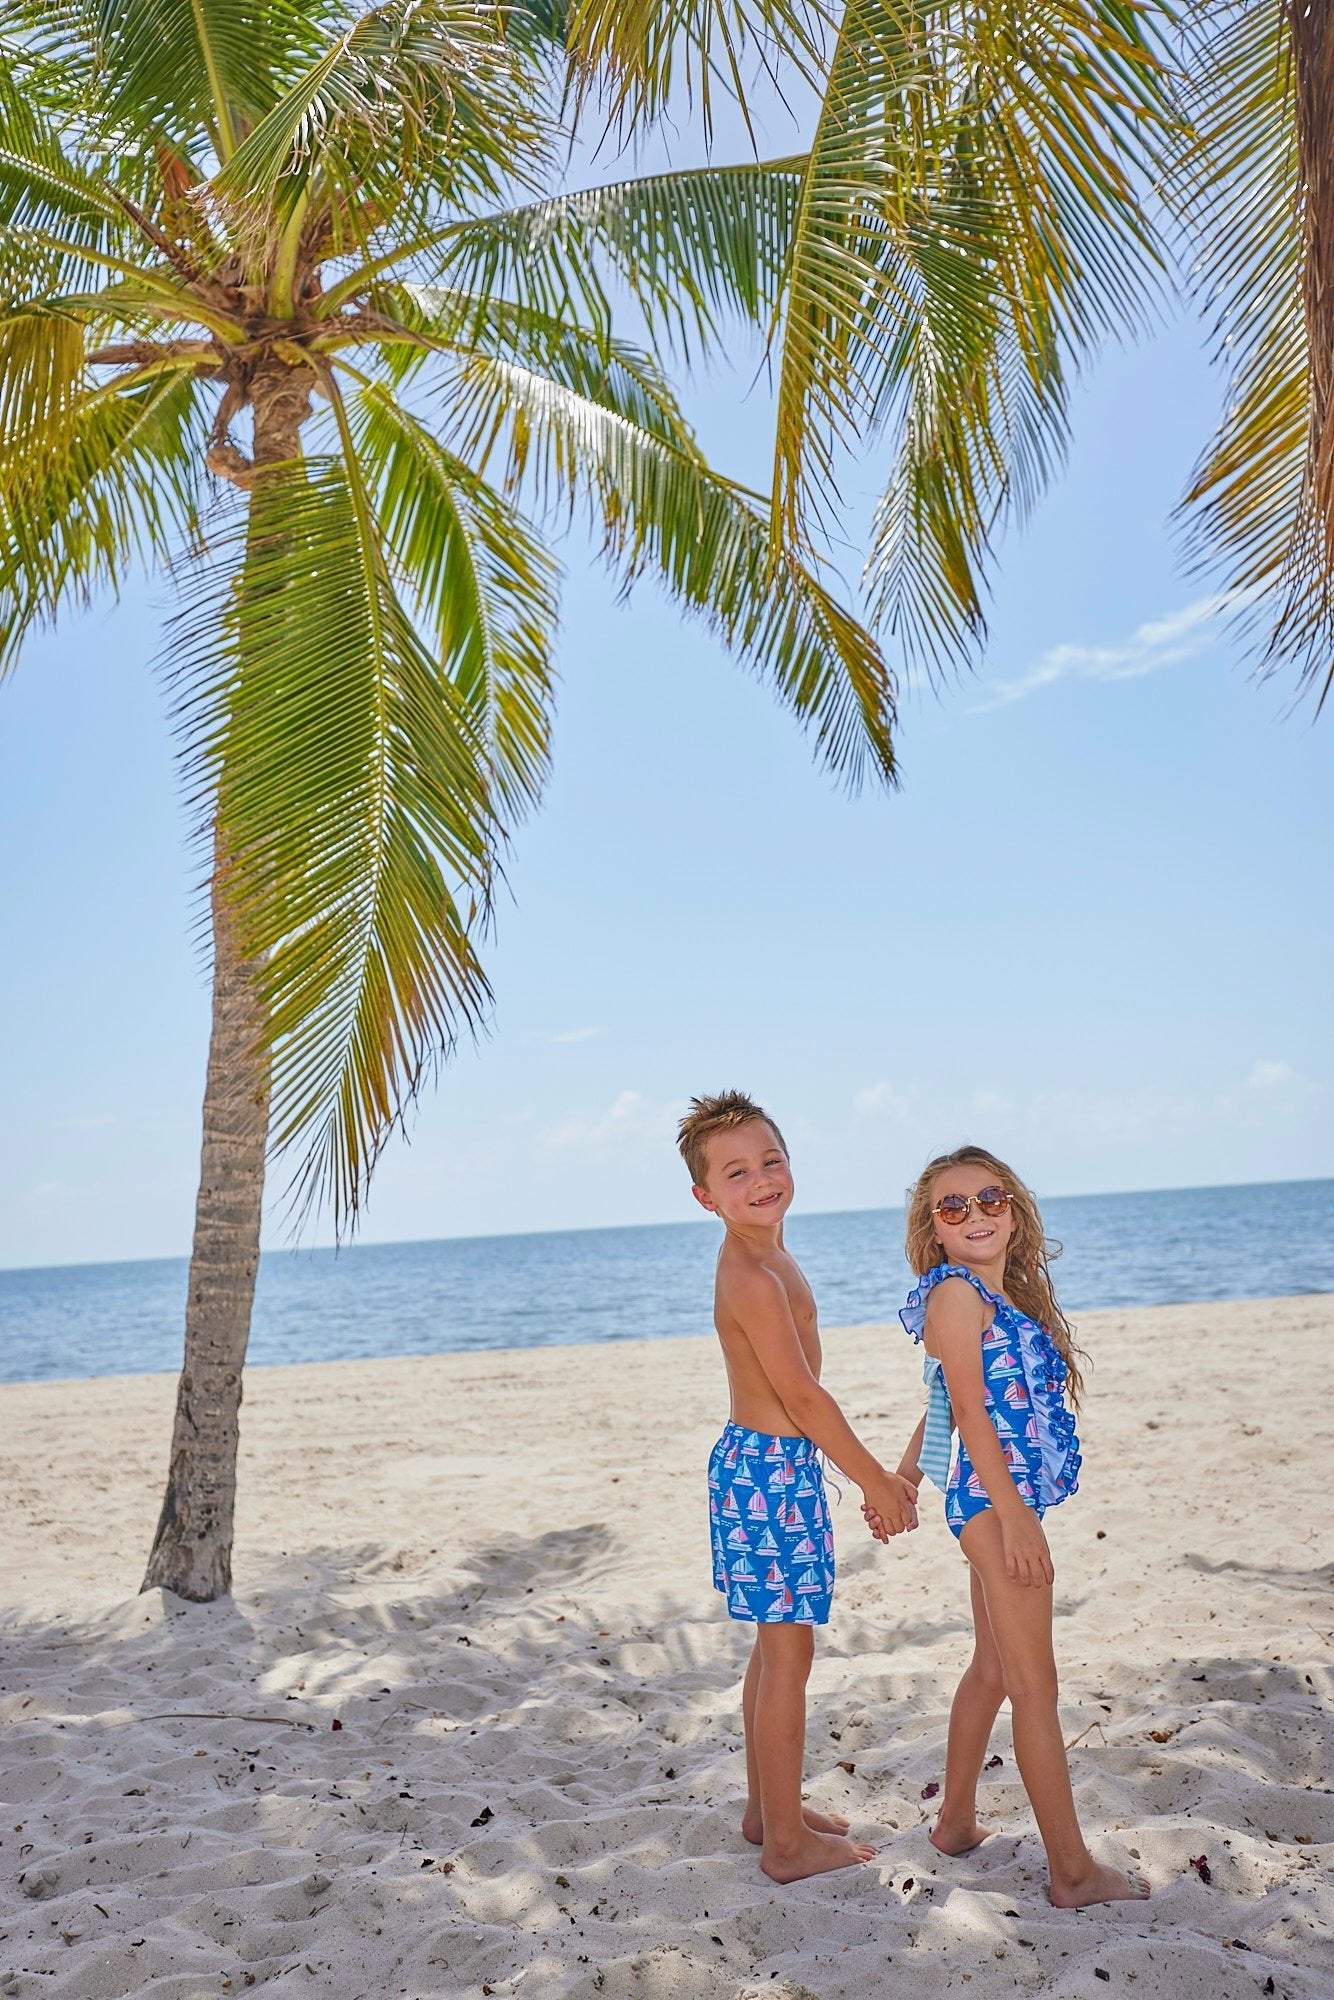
x: 181, y: 69
x: 125, y: 488
x: 1252, y: 511
x: 353, y: 792
x: 971, y: 227
x: 484, y: 582
x: 663, y: 511
x: 633, y: 56
x: 419, y: 102
x: 695, y: 250
x: 52, y: 209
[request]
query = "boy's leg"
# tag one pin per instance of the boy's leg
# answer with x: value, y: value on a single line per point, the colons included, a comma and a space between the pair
x: 752, y: 1824
x: 1020, y: 1617
x: 976, y: 1703
x: 791, y: 1849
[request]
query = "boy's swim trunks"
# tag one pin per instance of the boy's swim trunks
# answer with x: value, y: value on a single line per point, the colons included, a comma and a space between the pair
x: 773, y: 1548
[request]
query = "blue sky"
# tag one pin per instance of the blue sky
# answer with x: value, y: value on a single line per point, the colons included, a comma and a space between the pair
x: 1090, y: 931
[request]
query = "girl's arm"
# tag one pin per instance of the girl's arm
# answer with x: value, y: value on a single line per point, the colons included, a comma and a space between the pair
x: 908, y: 1467
x: 955, y: 1323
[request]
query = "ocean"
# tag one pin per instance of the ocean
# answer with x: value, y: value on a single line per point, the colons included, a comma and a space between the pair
x: 1176, y: 1245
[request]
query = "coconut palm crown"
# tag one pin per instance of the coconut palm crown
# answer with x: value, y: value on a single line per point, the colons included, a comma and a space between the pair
x: 292, y: 319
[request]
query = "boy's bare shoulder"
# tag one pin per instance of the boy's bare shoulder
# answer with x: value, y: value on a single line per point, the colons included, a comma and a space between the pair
x: 748, y: 1282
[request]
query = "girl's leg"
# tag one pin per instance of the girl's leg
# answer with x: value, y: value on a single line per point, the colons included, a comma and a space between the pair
x: 752, y: 1823
x: 1020, y: 1618
x: 791, y: 1849
x: 976, y: 1703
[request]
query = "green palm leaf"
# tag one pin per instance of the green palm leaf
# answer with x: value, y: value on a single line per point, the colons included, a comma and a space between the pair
x: 627, y: 454
x: 638, y: 53
x: 413, y: 95
x: 354, y: 797
x: 182, y: 68
x: 970, y: 228
x: 696, y: 250
x: 364, y: 663
x: 124, y: 489
x: 483, y: 581
x: 1251, y: 509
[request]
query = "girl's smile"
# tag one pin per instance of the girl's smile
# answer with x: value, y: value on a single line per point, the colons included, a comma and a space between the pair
x: 979, y: 1241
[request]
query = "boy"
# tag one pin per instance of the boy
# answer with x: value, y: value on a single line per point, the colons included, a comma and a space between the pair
x: 773, y: 1551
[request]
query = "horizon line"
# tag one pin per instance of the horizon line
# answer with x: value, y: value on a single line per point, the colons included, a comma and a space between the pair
x: 600, y: 1229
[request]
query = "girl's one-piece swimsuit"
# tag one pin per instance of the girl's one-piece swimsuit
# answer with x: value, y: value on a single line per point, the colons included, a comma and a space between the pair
x: 1023, y: 1377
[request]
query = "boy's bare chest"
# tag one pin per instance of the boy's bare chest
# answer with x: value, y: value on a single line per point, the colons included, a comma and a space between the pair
x: 801, y: 1300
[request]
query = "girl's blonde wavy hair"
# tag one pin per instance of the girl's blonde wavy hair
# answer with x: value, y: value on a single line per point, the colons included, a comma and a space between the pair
x: 1027, y: 1276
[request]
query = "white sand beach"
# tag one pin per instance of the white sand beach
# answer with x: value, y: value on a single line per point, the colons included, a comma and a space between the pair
x: 470, y: 1724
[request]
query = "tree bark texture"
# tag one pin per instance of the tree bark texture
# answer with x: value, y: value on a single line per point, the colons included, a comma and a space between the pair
x: 192, y: 1549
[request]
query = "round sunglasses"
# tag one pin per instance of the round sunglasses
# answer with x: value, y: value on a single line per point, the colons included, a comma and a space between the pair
x: 956, y: 1208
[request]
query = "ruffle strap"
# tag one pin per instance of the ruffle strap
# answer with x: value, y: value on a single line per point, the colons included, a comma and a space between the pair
x: 913, y: 1314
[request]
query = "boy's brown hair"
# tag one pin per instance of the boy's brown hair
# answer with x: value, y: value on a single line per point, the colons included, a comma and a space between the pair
x: 709, y: 1115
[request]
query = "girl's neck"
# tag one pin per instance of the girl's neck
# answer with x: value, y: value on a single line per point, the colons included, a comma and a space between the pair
x: 991, y: 1271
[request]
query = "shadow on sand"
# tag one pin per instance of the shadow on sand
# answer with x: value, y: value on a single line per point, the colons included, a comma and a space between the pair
x: 366, y: 1777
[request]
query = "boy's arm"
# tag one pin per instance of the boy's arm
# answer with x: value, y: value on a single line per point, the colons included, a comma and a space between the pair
x: 954, y: 1315
x: 762, y: 1309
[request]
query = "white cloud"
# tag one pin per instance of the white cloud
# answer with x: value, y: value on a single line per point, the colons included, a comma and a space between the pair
x: 993, y: 1104
x: 629, y: 1115
x: 563, y: 1035
x: 881, y: 1100
x: 1159, y: 643
x: 1270, y: 1076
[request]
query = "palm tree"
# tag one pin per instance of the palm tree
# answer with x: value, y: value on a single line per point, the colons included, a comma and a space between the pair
x: 982, y: 205
x: 292, y: 320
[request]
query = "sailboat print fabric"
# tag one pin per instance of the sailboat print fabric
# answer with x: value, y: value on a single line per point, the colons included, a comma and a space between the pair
x: 1023, y: 1376
x: 773, y: 1547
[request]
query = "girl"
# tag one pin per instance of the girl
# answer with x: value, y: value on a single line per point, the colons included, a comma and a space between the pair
x: 998, y: 1355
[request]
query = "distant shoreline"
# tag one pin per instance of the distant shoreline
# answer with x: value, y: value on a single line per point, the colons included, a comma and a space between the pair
x: 1279, y: 1301
x: 580, y: 1288
x: 685, y: 1221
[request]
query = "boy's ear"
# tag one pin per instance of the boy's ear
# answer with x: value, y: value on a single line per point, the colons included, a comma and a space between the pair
x: 704, y: 1198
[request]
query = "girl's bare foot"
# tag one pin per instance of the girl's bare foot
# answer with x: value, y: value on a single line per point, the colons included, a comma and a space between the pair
x: 819, y: 1822
x: 1099, y: 1885
x: 814, y: 1854
x: 959, y: 1839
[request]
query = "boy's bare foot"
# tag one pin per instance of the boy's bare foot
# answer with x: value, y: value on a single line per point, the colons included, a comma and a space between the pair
x: 959, y: 1839
x: 1099, y: 1885
x: 818, y: 1822
x: 814, y: 1854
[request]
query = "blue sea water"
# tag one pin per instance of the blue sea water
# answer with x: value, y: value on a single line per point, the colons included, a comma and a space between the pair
x: 1177, y: 1245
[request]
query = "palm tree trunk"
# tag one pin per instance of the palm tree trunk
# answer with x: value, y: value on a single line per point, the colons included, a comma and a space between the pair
x: 192, y: 1549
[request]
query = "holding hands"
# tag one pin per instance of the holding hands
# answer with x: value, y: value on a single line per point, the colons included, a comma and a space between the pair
x: 889, y: 1505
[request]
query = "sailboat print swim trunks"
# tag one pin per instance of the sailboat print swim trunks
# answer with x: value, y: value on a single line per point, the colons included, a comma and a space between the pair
x: 773, y: 1547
